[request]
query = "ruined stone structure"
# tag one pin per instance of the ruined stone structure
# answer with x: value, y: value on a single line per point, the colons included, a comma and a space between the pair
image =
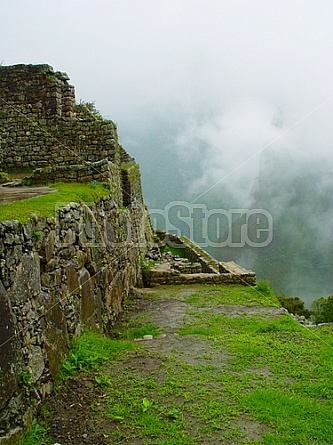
x: 61, y: 275
x: 72, y: 271
x: 198, y: 266
x: 42, y: 128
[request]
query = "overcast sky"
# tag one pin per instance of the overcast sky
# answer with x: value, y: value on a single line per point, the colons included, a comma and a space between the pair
x: 207, y: 82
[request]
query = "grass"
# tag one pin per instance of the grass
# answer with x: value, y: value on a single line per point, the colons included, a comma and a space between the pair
x: 90, y: 351
x: 45, y: 206
x: 36, y: 436
x: 252, y: 378
x: 127, y: 165
x: 175, y: 251
x: 132, y: 333
x: 216, y: 296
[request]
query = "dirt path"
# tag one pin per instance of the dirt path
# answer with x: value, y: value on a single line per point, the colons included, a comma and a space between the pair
x: 168, y: 367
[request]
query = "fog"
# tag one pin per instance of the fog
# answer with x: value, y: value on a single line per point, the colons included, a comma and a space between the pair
x: 228, y: 103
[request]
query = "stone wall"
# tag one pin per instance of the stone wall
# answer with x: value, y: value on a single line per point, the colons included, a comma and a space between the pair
x: 131, y: 182
x: 211, y: 271
x: 38, y: 90
x: 192, y: 251
x: 162, y: 274
x: 101, y: 171
x: 57, y: 277
x: 41, y: 126
x: 73, y: 271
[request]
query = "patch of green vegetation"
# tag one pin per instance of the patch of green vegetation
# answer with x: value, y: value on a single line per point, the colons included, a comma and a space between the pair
x: 26, y: 181
x: 137, y: 327
x: 37, y: 235
x: 90, y: 351
x: 236, y: 377
x: 88, y: 109
x: 36, y: 436
x: 138, y: 332
x: 295, y: 385
x: 294, y: 419
x: 50, y: 77
x: 176, y: 251
x: 4, y: 177
x: 26, y: 380
x: 127, y: 165
x: 146, y: 266
x: 294, y: 305
x: 322, y: 309
x: 224, y: 295
x: 220, y: 325
x: 122, y: 209
x: 45, y: 206
x: 103, y: 380
x: 141, y: 412
x: 264, y: 287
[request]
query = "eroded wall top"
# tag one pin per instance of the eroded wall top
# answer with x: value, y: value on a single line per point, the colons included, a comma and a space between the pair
x: 41, y: 125
x: 39, y: 88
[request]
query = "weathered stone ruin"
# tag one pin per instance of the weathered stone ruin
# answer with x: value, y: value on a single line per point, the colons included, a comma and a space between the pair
x: 43, y: 128
x: 197, y: 266
x: 72, y: 271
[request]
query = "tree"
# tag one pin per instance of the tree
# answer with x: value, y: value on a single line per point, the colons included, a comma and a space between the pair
x: 322, y: 309
x: 293, y: 305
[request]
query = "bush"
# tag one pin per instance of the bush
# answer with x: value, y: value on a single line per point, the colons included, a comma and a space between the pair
x: 322, y: 309
x: 4, y: 177
x: 293, y: 305
x: 88, y: 109
x: 264, y: 287
x: 146, y: 267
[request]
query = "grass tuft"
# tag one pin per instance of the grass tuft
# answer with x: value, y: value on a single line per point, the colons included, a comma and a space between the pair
x: 36, y: 436
x: 138, y: 332
x: 90, y: 351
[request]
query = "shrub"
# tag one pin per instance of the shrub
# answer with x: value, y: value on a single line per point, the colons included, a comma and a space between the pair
x: 322, y: 309
x: 4, y: 177
x: 146, y: 266
x: 293, y: 305
x: 265, y: 288
x: 88, y: 109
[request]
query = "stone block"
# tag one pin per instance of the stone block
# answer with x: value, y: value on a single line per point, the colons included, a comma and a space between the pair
x: 36, y: 362
x: 73, y: 284
x: 11, y: 356
x: 87, y: 295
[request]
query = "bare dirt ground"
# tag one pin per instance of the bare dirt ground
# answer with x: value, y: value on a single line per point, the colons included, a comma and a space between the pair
x: 11, y: 194
x: 73, y: 413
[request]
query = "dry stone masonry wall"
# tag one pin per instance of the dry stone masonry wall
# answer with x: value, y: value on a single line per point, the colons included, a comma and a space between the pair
x: 61, y: 275
x: 41, y: 126
x: 57, y: 277
x: 204, y: 268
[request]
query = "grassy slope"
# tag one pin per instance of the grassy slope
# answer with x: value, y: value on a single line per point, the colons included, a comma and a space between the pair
x: 45, y: 206
x: 259, y: 379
